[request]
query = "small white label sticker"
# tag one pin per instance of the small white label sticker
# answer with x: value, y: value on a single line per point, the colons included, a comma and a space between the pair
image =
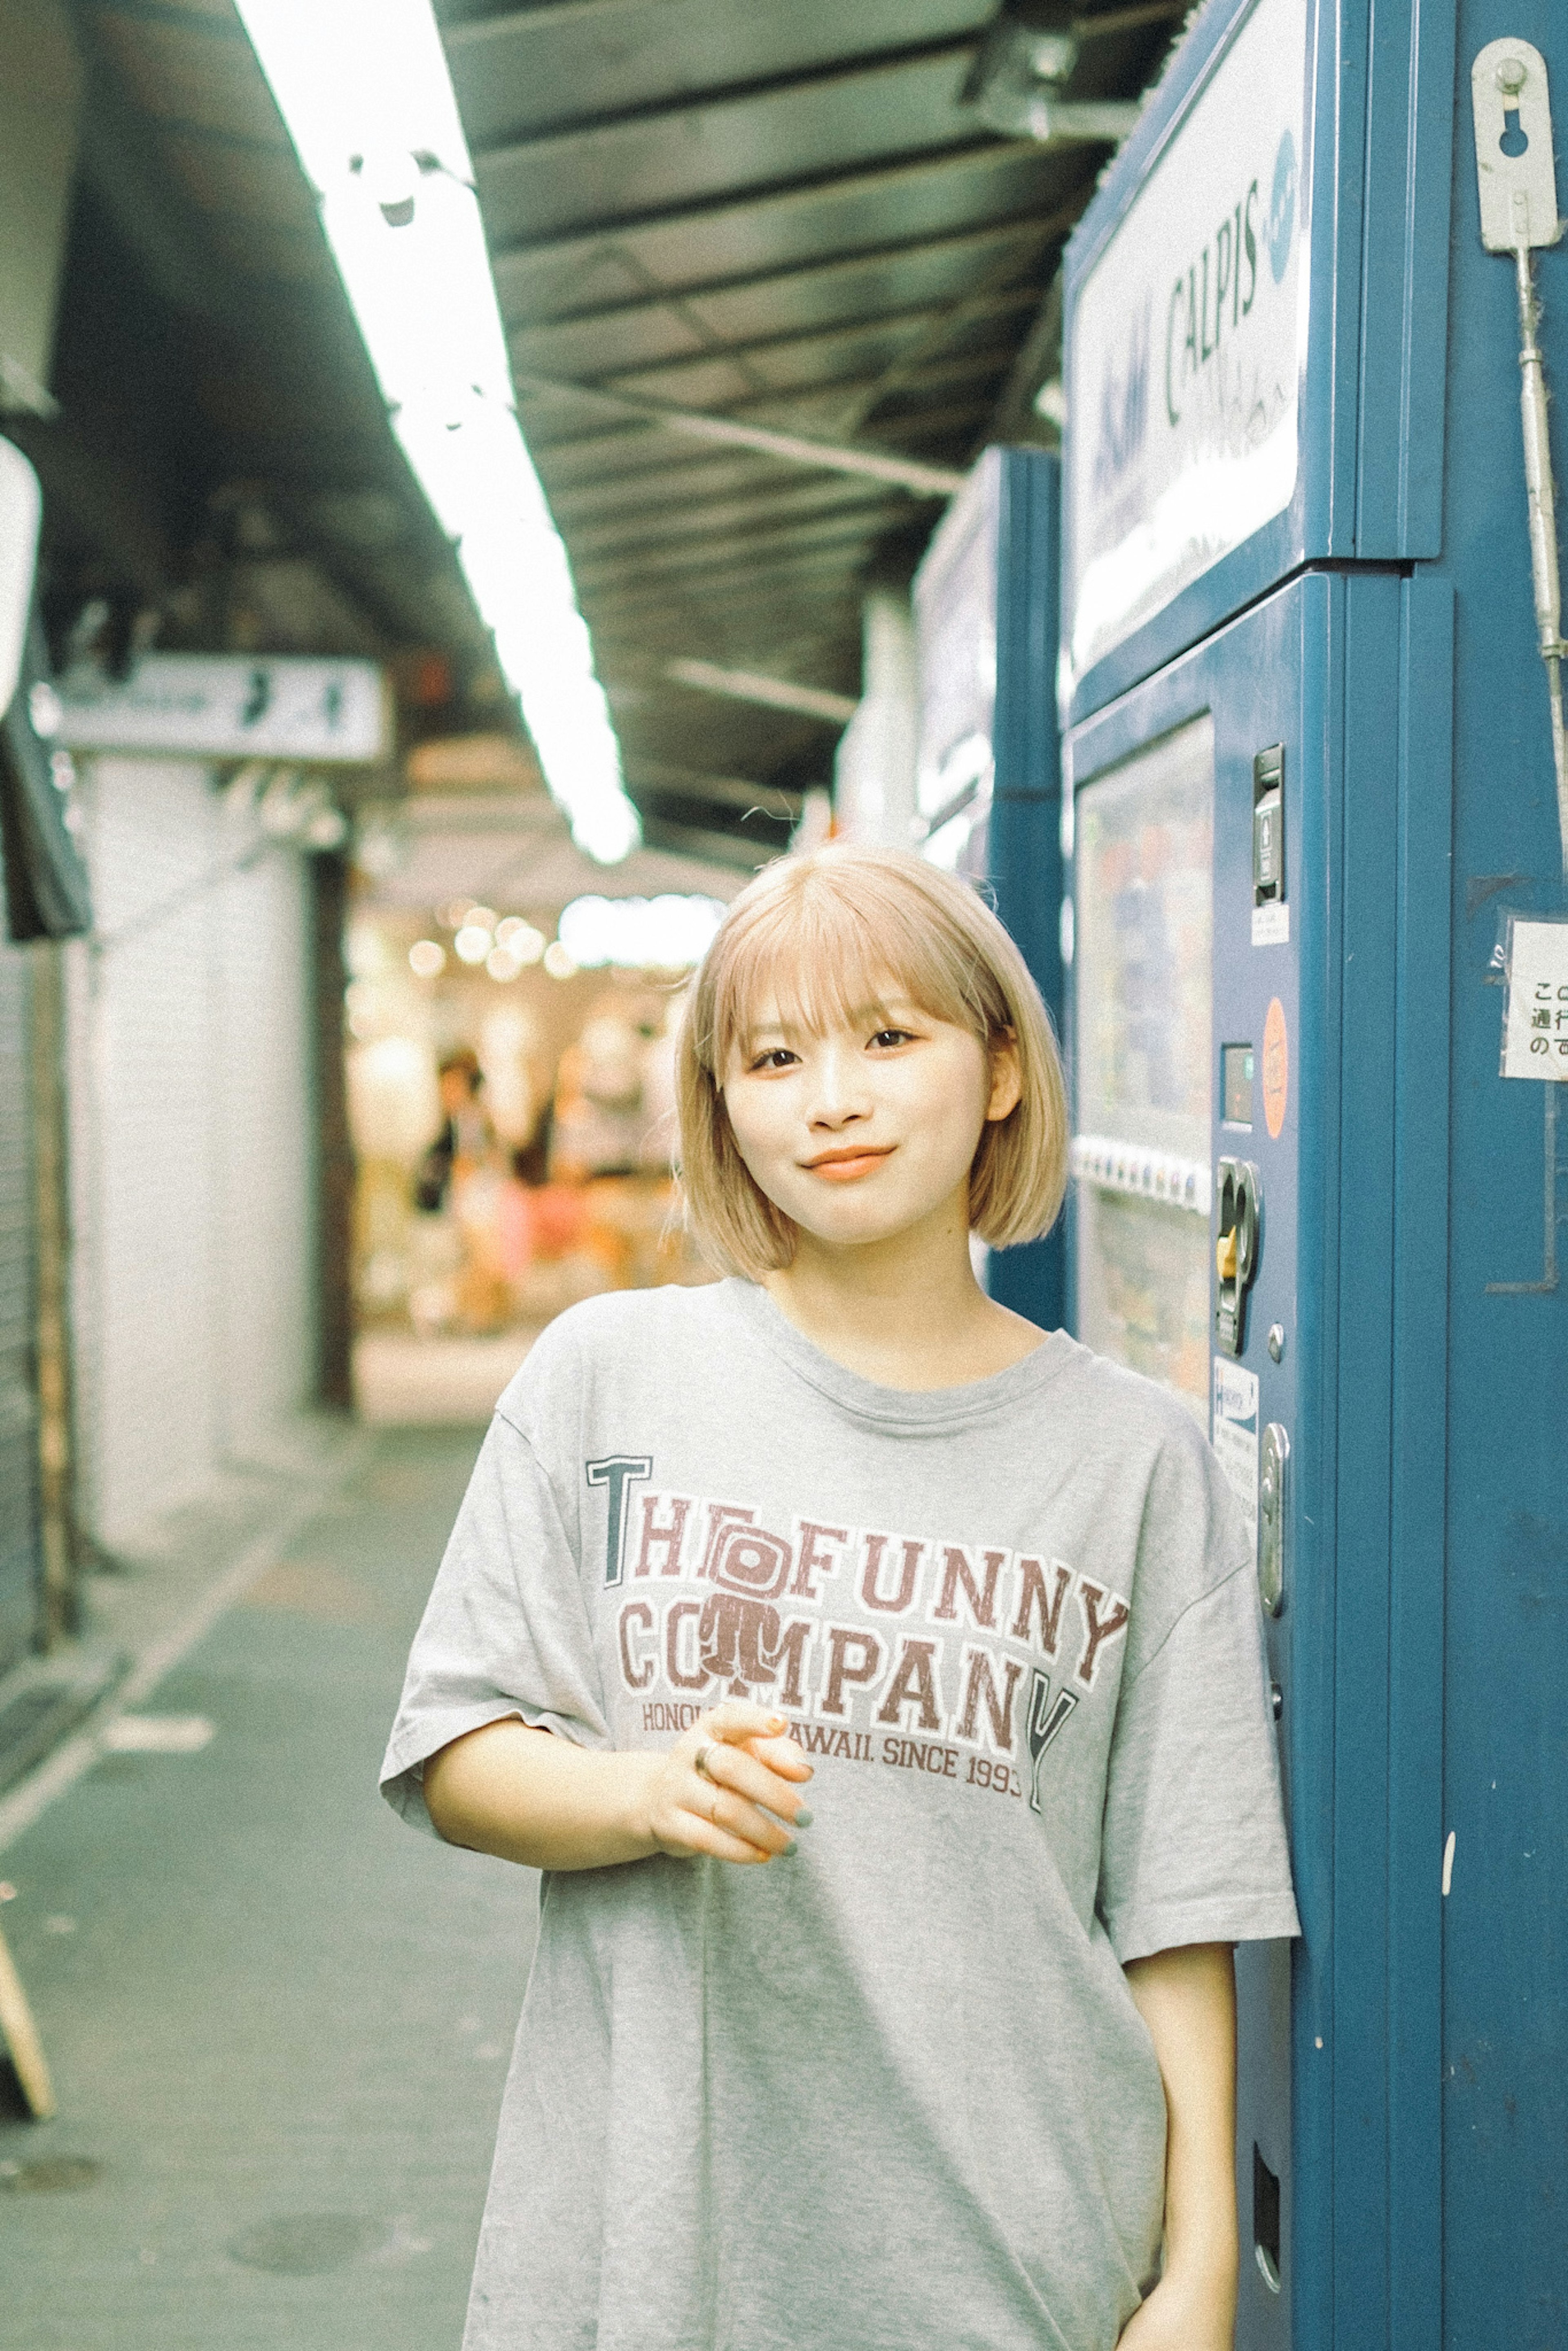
x: 1535, y: 1018
x: 1236, y: 1434
x: 1272, y: 924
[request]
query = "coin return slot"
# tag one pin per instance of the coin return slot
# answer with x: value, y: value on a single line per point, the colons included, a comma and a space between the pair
x: 1240, y: 1190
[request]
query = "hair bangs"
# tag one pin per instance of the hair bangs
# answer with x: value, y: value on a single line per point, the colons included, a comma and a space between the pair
x: 820, y: 955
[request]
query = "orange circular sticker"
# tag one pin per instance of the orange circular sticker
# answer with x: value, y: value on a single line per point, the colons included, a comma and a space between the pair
x: 1276, y: 1069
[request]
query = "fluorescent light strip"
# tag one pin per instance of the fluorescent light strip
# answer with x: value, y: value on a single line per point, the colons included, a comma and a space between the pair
x: 363, y: 89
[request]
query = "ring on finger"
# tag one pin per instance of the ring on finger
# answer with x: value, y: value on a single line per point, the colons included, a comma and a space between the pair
x: 699, y: 1761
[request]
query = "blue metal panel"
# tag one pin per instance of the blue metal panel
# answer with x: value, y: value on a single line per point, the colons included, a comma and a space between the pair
x: 1379, y: 142
x: 1024, y: 857
x: 1359, y: 2048
x: 1421, y: 1112
x: 1339, y: 670
x: 1505, y: 1987
x: 1404, y: 279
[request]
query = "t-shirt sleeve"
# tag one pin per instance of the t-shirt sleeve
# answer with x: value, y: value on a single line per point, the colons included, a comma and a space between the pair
x: 1192, y: 1847
x: 505, y: 1632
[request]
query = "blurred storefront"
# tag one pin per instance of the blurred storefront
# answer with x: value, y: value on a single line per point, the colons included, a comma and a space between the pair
x: 510, y: 1088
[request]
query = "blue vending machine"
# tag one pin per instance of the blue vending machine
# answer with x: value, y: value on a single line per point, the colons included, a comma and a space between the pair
x: 988, y: 771
x: 1319, y: 1009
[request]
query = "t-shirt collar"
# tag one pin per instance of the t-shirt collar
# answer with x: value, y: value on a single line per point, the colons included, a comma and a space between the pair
x: 909, y: 1411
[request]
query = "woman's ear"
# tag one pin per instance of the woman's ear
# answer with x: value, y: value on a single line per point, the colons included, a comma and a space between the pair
x: 1007, y: 1079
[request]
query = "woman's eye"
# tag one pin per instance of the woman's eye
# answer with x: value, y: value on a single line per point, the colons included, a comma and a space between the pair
x: 778, y: 1056
x: 890, y: 1037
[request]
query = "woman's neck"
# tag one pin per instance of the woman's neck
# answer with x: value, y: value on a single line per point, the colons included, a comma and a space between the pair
x: 906, y: 1312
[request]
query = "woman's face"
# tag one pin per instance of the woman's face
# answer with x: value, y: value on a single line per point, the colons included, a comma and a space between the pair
x: 861, y: 1134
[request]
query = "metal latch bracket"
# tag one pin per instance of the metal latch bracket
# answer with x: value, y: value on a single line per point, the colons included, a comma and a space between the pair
x: 1516, y: 173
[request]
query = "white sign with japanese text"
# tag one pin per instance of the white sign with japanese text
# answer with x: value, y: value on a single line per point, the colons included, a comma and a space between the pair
x: 230, y: 707
x: 1186, y: 345
x: 1535, y: 1020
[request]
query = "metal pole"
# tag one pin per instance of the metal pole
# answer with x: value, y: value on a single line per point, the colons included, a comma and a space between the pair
x: 1542, y: 490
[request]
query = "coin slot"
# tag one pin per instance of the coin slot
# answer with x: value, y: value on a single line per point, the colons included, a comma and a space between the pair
x: 1269, y: 826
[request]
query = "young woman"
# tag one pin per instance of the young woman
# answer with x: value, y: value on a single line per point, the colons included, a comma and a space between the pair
x: 944, y: 2062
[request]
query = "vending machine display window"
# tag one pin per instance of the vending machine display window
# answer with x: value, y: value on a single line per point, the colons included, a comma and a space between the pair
x: 1143, y: 967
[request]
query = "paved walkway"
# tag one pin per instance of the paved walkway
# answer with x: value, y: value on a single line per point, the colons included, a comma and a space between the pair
x: 279, y: 2023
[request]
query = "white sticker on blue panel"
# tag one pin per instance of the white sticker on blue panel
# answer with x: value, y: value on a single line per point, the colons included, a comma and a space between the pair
x: 1535, y: 1017
x: 1236, y: 1434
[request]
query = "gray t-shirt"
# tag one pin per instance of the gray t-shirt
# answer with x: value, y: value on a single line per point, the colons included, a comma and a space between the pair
x: 891, y: 2094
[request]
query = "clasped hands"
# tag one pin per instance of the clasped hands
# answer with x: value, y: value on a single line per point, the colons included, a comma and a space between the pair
x: 742, y: 1803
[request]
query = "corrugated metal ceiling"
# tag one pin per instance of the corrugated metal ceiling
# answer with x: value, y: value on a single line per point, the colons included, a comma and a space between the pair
x: 782, y: 215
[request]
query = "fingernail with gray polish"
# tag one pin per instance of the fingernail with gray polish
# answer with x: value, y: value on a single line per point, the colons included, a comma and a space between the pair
x: 802, y: 1820
x: 790, y: 1848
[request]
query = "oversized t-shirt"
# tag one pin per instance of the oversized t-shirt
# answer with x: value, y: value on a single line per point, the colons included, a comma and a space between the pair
x: 891, y: 2093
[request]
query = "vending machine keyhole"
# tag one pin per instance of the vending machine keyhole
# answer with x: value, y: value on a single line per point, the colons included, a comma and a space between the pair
x: 1239, y: 1188
x: 1266, y: 2219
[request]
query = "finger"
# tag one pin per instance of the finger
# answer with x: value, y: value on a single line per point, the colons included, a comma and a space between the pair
x: 737, y: 1769
x: 738, y: 1818
x: 737, y: 1719
x: 697, y: 1836
x: 783, y: 1755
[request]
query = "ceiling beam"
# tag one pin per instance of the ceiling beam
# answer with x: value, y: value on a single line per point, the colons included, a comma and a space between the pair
x: 725, y: 791
x: 759, y: 551
x: 734, y: 587
x: 569, y: 251
x: 1026, y: 230
x: 790, y: 448
x: 774, y: 693
x: 729, y: 518
x: 699, y: 841
x: 917, y: 320
x: 635, y: 451
x: 587, y: 130
x: 802, y: 404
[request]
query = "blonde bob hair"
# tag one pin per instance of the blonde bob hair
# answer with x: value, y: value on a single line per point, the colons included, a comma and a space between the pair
x: 820, y: 936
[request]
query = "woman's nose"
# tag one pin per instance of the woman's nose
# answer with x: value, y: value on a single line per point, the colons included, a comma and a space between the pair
x: 839, y: 1094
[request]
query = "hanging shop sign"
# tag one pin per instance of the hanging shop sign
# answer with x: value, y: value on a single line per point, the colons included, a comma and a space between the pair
x: 231, y: 706
x: 1187, y: 344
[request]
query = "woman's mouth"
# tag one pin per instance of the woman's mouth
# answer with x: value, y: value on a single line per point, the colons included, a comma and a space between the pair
x: 848, y: 1167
